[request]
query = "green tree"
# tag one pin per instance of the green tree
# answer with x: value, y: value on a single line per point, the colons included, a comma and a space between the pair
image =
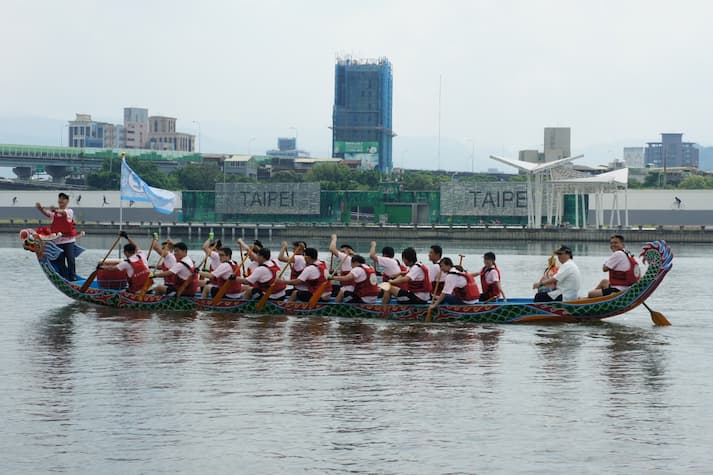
x: 105, y: 179
x: 653, y: 180
x: 198, y: 176
x: 331, y: 176
x: 696, y: 182
x: 286, y: 176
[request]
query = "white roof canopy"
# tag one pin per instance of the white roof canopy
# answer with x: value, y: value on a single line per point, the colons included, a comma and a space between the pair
x: 620, y: 176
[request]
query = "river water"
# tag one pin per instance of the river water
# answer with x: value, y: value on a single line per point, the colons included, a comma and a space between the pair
x: 93, y: 390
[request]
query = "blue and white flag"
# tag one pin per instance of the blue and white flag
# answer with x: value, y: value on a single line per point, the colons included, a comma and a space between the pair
x: 133, y: 188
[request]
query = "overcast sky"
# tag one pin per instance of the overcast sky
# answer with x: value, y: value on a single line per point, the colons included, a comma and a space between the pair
x: 617, y: 72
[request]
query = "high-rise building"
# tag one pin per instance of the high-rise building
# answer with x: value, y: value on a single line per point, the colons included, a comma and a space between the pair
x: 672, y: 151
x: 162, y: 135
x: 85, y: 132
x: 361, y: 118
x: 634, y: 157
x: 286, y: 148
x: 557, y: 143
x: 136, y: 127
x: 532, y: 156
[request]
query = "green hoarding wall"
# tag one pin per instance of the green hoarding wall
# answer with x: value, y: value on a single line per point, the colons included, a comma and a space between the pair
x: 388, y: 206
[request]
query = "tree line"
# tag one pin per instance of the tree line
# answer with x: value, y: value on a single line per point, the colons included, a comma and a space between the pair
x: 331, y: 176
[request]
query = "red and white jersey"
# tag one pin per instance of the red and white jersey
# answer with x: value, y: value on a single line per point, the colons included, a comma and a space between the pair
x: 389, y: 266
x: 127, y: 267
x: 298, y: 265
x: 65, y: 225
x: 224, y: 271
x: 180, y: 270
x: 214, y: 259
x: 169, y: 260
x: 345, y: 262
x: 262, y: 275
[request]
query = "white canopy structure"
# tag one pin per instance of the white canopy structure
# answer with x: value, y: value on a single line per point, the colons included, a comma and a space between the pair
x: 535, y: 186
x: 609, y: 182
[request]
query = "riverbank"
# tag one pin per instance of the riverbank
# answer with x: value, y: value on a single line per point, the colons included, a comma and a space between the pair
x: 232, y: 231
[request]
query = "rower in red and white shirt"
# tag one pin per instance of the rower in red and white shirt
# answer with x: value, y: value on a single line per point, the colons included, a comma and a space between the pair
x: 221, y: 274
x: 135, y: 266
x: 416, y: 283
x: 343, y: 255
x: 314, y: 278
x: 298, y: 263
x: 622, y: 267
x: 182, y: 271
x: 167, y: 259
x: 261, y: 279
x: 459, y: 287
x: 362, y: 278
x: 435, y: 253
x: 390, y: 268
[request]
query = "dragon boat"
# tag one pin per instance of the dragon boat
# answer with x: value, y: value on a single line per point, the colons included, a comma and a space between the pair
x: 657, y: 255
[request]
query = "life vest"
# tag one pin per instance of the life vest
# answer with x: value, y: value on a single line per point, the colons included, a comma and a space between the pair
x: 234, y: 287
x: 191, y: 288
x: 628, y: 277
x: 169, y: 279
x: 420, y: 285
x: 385, y: 277
x: 367, y: 287
x: 313, y: 285
x: 488, y: 288
x: 470, y: 291
x: 140, y: 276
x: 264, y: 286
x: 60, y: 224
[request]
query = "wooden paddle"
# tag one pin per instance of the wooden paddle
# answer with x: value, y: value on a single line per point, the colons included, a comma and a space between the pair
x: 657, y: 317
x: 224, y: 288
x: 149, y: 282
x: 207, y: 254
x: 429, y: 313
x: 93, y: 275
x: 320, y: 290
x: 263, y: 300
x: 242, y: 260
x: 317, y: 294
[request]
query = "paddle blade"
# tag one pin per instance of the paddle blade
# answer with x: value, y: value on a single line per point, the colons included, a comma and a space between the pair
x: 263, y: 300
x: 147, y: 285
x: 89, y: 281
x: 659, y: 319
x: 221, y: 292
x: 429, y: 314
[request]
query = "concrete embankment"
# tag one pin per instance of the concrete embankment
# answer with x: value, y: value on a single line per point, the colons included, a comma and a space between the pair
x: 232, y: 231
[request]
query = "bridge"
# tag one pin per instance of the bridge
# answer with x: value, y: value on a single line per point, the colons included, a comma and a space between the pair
x: 59, y: 162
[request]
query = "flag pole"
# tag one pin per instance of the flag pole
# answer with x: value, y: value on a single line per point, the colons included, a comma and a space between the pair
x: 121, y: 201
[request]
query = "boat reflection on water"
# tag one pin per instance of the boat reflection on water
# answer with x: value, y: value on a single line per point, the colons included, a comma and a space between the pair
x: 626, y: 353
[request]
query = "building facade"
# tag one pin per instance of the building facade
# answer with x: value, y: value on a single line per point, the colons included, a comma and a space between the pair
x: 362, y: 113
x: 286, y: 148
x: 671, y: 151
x: 162, y: 135
x: 136, y: 127
x: 85, y: 132
x: 634, y: 157
x: 557, y: 143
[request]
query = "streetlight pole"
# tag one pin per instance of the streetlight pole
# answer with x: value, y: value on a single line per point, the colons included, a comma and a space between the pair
x: 472, y: 155
x: 199, y: 134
